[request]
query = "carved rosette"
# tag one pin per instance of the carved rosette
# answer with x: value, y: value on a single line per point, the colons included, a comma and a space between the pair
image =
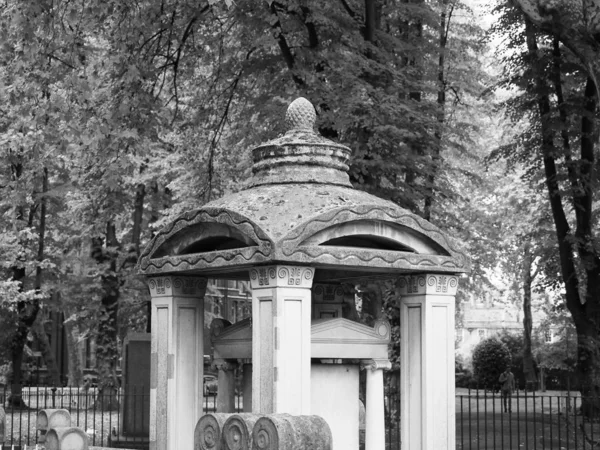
x: 237, y: 431
x: 207, y: 435
x: 179, y: 286
x: 431, y: 284
x: 281, y: 276
x: 375, y: 364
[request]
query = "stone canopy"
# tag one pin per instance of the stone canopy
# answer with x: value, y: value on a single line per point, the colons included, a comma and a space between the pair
x: 300, y: 208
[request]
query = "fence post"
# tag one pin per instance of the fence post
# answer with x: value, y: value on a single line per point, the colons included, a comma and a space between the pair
x: 53, y: 397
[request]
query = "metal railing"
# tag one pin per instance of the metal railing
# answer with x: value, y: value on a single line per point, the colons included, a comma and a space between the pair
x: 535, y: 421
x: 108, y: 419
x: 528, y: 421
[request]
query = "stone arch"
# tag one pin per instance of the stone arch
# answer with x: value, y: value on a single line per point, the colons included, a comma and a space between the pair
x: 375, y: 234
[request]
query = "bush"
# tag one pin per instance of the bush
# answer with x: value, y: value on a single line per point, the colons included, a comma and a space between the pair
x: 490, y: 358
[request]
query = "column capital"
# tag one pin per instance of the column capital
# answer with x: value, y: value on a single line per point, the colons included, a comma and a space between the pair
x: 224, y: 364
x: 281, y: 276
x: 427, y: 283
x: 178, y: 285
x: 375, y: 364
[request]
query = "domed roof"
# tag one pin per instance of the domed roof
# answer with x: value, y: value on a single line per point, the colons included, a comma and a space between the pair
x: 300, y: 208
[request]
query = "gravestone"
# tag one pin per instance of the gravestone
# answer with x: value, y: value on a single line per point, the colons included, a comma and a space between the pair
x: 135, y: 407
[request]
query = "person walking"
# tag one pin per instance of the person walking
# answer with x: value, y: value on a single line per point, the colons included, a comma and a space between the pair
x: 507, y: 382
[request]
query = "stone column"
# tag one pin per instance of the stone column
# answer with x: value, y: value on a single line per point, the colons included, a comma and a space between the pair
x: 375, y: 408
x: 281, y: 339
x: 177, y: 360
x: 427, y: 361
x: 247, y: 385
x: 226, y: 385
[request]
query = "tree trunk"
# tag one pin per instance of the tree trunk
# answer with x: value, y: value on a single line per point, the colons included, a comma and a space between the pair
x: 74, y: 352
x: 445, y: 17
x: 47, y: 353
x: 107, y: 338
x: 527, y: 281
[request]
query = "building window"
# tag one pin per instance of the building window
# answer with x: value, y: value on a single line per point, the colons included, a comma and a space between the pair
x: 481, y: 333
x: 547, y: 336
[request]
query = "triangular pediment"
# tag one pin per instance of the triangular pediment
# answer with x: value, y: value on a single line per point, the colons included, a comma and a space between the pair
x: 346, y: 330
x: 343, y: 338
x: 234, y: 341
x: 330, y: 338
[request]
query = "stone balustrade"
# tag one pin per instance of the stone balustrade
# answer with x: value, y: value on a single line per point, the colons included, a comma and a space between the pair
x: 261, y: 432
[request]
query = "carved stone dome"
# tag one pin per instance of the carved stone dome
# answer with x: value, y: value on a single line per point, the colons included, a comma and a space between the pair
x: 300, y: 208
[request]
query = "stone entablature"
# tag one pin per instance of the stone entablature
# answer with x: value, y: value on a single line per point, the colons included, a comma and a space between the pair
x: 432, y: 284
x: 180, y: 286
x: 281, y: 276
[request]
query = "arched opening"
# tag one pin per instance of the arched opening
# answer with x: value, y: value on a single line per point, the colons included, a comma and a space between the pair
x: 213, y: 243
x: 376, y: 235
x: 367, y: 241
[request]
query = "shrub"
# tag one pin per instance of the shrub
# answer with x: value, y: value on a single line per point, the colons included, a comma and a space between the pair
x: 490, y: 358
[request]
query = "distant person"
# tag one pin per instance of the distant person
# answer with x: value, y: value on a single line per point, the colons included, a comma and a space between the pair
x: 507, y: 382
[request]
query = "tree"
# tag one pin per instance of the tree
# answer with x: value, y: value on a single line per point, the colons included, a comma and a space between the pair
x: 570, y: 179
x: 490, y: 358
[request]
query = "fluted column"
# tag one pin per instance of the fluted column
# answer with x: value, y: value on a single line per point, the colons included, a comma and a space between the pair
x: 375, y: 407
x: 427, y: 361
x: 177, y: 360
x: 226, y: 385
x: 281, y: 304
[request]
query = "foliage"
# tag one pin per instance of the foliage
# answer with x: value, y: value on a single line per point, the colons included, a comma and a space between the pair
x: 140, y: 111
x: 490, y: 358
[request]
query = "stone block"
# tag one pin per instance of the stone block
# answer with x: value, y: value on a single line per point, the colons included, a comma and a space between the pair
x: 237, y: 431
x: 66, y: 438
x: 51, y: 418
x: 2, y: 425
x: 209, y: 431
x: 286, y: 432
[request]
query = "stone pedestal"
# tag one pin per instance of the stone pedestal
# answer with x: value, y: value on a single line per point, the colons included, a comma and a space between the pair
x: 226, y: 385
x: 427, y: 364
x: 281, y: 304
x: 177, y: 360
x: 334, y: 394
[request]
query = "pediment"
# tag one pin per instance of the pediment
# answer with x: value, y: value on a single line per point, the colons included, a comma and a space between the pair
x: 343, y: 338
x: 234, y: 341
x: 346, y: 330
x: 330, y: 338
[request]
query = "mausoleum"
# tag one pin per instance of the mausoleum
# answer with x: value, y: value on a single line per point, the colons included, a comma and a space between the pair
x: 298, y: 232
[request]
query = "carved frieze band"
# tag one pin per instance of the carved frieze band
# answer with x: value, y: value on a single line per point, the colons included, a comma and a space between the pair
x: 177, y: 286
x: 435, y: 284
x: 281, y: 276
x: 224, y: 364
x: 375, y: 364
x: 328, y: 293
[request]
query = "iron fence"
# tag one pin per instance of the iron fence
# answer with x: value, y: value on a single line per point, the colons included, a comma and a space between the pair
x: 110, y: 420
x: 532, y: 421
x: 525, y: 420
